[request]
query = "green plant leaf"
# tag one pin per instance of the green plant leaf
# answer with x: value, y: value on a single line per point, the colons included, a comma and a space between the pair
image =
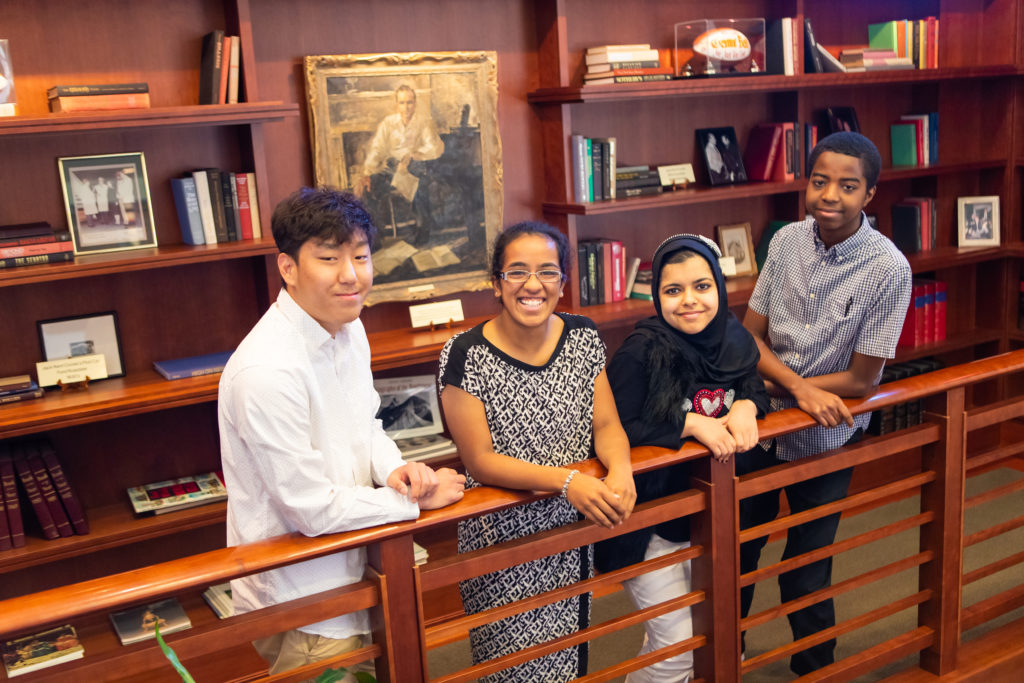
x: 334, y: 675
x: 172, y: 657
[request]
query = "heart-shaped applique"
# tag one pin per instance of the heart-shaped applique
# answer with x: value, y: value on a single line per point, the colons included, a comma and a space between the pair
x: 709, y: 403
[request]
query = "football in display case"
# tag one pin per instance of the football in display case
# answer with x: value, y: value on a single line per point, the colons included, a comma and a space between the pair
x: 719, y: 47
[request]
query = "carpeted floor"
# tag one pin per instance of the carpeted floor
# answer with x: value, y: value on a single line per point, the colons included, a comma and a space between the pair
x: 611, y: 649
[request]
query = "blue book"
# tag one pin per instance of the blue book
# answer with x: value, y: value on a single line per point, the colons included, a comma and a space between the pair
x: 187, y: 202
x: 193, y: 366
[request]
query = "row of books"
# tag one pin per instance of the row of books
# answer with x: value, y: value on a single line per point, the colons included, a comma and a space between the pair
x: 29, y: 244
x: 903, y: 415
x: 914, y: 222
x: 926, y: 314
x: 635, y: 63
x: 594, y: 168
x: 915, y: 40
x: 57, y: 507
x: 872, y: 59
x: 216, y: 206
x: 604, y: 274
x: 425, y: 447
x: 914, y: 139
x: 773, y: 150
x: 219, y: 68
x: 18, y: 388
x: 98, y: 97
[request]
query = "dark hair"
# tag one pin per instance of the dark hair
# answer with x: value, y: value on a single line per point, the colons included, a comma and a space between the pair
x: 852, y: 145
x: 509, y: 234
x: 323, y: 214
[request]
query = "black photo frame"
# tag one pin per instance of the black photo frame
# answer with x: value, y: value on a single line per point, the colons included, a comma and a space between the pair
x: 841, y: 119
x: 81, y: 335
x: 723, y: 158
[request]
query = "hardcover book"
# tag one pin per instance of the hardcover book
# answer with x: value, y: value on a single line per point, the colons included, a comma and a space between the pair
x: 38, y: 259
x: 16, y: 383
x: 35, y: 496
x: 68, y: 497
x: 193, y: 366
x: 5, y: 532
x: 9, y: 485
x: 134, y: 625
x: 176, y: 494
x: 41, y: 650
x: 99, y: 102
x: 48, y: 491
x: 218, y: 597
x: 209, y: 67
x: 97, y: 89
x: 762, y: 148
x: 31, y: 240
x: 186, y: 201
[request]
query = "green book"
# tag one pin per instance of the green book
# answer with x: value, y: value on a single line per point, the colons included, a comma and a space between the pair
x: 761, y: 253
x: 883, y: 36
x: 903, y: 138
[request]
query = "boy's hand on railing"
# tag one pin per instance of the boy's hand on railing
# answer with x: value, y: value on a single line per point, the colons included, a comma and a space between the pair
x: 449, y: 489
x: 620, y: 482
x: 413, y: 479
x: 825, y: 407
x: 595, y: 500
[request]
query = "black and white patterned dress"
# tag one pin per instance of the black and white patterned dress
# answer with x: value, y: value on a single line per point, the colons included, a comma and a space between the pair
x: 543, y: 415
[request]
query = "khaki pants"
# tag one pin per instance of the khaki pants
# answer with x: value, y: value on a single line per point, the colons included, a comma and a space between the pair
x: 292, y: 649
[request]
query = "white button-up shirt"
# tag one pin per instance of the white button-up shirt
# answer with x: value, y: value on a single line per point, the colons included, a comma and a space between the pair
x: 302, y: 451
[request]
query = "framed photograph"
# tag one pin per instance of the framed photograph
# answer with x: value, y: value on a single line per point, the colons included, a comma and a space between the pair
x: 415, y: 136
x: 408, y: 406
x: 107, y: 202
x: 83, y: 335
x: 723, y: 158
x: 736, y: 241
x: 978, y: 221
x: 842, y: 119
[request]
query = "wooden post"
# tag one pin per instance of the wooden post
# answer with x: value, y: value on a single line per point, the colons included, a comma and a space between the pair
x: 717, y: 572
x: 944, y: 536
x: 395, y: 622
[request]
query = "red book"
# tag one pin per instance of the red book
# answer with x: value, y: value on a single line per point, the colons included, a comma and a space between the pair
x: 63, y: 236
x: 618, y: 275
x: 913, y: 325
x: 72, y: 504
x: 932, y: 37
x: 5, y: 532
x: 762, y: 148
x: 35, y: 496
x: 35, y: 249
x: 785, y: 159
x: 928, y: 308
x: 925, y: 206
x: 100, y: 102
x: 9, y: 484
x: 244, y: 212
x: 940, y: 310
x: 48, y: 491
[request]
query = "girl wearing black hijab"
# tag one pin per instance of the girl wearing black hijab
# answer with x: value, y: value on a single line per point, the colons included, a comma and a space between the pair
x: 688, y: 372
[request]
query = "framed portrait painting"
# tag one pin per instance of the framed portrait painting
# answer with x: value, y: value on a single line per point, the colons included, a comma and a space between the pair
x: 722, y: 156
x: 978, y: 221
x: 415, y: 137
x: 736, y: 241
x: 107, y: 202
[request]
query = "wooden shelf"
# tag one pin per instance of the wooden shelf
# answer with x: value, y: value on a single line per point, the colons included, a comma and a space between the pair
x: 740, y: 85
x: 136, y: 259
x: 140, y: 392
x: 964, y: 340
x: 948, y: 257
x: 905, y: 172
x: 109, y: 527
x: 159, y: 117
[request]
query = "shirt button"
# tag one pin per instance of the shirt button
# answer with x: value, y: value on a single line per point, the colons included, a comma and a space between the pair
x: 812, y: 295
x: 807, y: 327
x: 797, y: 355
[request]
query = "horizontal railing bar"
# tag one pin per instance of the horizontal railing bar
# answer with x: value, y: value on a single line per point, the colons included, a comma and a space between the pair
x: 857, y: 500
x: 993, y: 413
x: 992, y: 568
x: 444, y: 632
x: 835, y: 548
x: 642, y: 661
x: 993, y: 531
x: 995, y: 493
x: 990, y: 608
x: 1011, y: 444
x: 852, y: 583
x: 875, y: 657
x: 839, y: 629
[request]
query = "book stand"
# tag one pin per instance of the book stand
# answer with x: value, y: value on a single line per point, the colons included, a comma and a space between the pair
x: 83, y: 384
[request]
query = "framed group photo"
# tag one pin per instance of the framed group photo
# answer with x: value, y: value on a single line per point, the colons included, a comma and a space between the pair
x: 107, y: 202
x: 722, y: 156
x: 83, y: 335
x: 978, y: 221
x: 736, y: 241
x: 415, y: 137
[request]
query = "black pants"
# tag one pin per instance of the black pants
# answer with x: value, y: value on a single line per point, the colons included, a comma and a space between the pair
x: 800, y: 539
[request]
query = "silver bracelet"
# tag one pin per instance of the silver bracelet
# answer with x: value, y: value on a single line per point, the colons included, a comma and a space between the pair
x: 565, y: 486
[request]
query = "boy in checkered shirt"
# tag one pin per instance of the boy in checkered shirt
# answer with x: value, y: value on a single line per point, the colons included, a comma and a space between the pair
x: 826, y: 312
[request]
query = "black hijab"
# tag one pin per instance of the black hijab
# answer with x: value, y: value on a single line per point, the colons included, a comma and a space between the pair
x: 721, y: 353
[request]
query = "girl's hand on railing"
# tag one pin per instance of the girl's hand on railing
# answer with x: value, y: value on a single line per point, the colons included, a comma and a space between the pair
x: 742, y: 424
x: 620, y: 482
x: 595, y: 500
x: 712, y: 433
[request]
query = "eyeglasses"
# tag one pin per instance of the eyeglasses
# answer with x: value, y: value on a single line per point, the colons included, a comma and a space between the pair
x: 518, y: 276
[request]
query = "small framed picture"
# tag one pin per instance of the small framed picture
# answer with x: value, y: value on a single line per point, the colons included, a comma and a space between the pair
x: 842, y: 119
x: 83, y: 335
x: 735, y: 241
x: 107, y: 202
x: 978, y: 221
x: 408, y: 406
x: 722, y: 156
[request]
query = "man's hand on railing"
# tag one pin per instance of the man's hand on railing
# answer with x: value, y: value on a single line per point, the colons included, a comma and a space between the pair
x: 449, y: 489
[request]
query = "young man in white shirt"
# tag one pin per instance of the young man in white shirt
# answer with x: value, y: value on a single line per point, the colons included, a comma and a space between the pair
x: 301, y: 447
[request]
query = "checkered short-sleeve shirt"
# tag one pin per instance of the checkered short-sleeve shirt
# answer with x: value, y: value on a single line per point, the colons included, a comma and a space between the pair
x: 823, y: 304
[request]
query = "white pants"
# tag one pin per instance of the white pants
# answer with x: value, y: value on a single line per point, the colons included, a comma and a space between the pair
x: 650, y: 589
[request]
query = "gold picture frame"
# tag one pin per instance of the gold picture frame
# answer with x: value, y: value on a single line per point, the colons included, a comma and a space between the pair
x: 415, y: 136
x: 977, y: 220
x: 736, y: 241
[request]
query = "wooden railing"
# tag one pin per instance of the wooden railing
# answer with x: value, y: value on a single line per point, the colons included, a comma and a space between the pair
x: 393, y: 587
